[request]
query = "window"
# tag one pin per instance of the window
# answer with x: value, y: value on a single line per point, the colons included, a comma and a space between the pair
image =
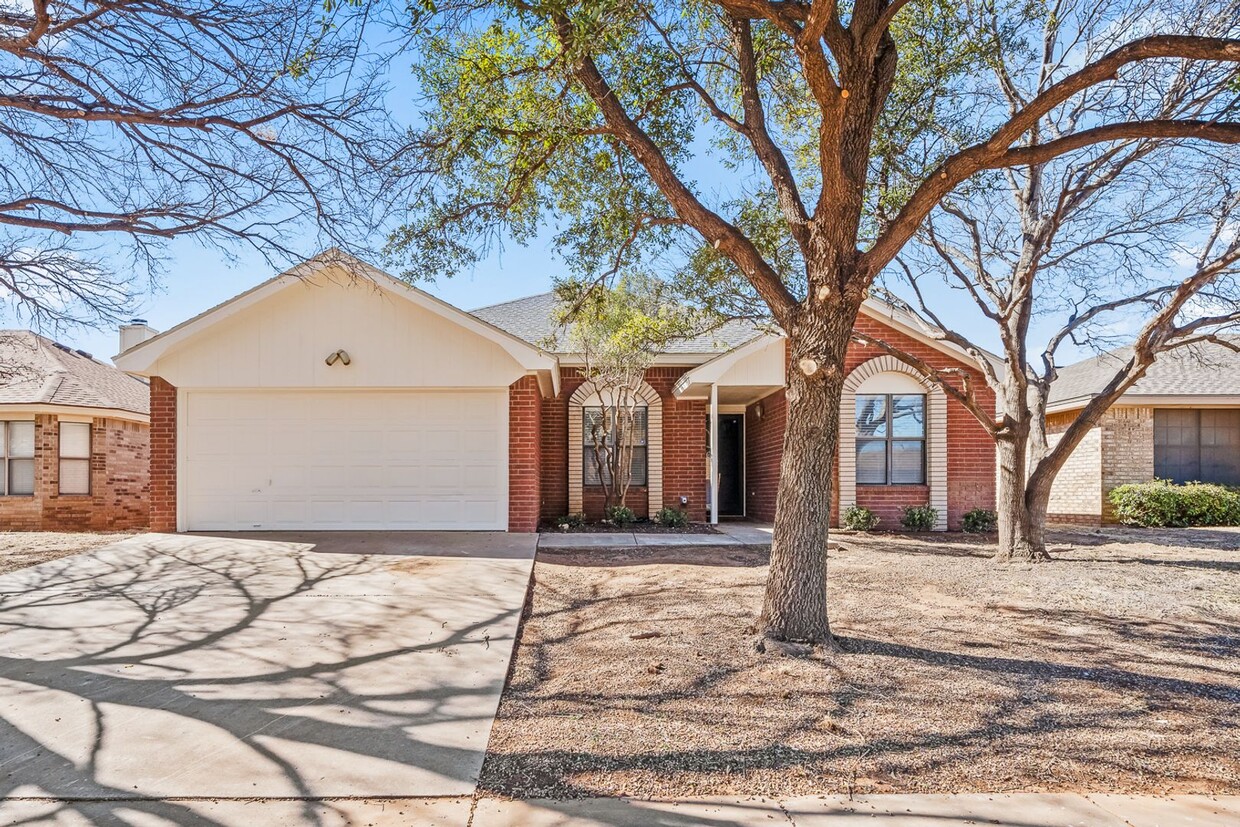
x: 75, y: 458
x: 592, y: 419
x: 1197, y: 445
x: 17, y: 443
x: 891, y: 439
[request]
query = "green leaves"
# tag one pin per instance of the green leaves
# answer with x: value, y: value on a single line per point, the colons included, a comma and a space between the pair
x: 621, y: 329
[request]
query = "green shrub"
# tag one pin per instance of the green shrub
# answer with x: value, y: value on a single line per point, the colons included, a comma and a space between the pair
x: 571, y: 521
x: 621, y: 515
x: 859, y: 518
x: 1162, y: 503
x: 919, y: 517
x: 671, y: 518
x: 979, y: 521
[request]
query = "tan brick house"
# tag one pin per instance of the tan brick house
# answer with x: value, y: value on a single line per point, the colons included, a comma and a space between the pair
x: 337, y: 397
x: 1180, y: 422
x: 73, y: 439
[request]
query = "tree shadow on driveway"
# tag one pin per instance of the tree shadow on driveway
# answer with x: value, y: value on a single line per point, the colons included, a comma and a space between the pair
x: 188, y: 667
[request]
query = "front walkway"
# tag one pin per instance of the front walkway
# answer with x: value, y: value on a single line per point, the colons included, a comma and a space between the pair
x: 308, y: 666
x: 732, y: 534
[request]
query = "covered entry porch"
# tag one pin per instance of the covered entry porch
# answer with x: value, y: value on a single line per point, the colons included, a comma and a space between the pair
x: 734, y: 386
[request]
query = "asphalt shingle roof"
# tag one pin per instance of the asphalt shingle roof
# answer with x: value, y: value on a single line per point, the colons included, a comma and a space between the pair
x: 533, y: 319
x: 1202, y: 369
x: 34, y: 370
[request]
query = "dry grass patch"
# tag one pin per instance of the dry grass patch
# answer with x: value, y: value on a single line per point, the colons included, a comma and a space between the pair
x: 1116, y: 667
x: 19, y: 549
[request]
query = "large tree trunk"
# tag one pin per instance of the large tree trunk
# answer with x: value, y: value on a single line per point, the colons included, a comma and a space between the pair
x: 1037, y: 502
x: 795, y: 605
x: 1020, y: 534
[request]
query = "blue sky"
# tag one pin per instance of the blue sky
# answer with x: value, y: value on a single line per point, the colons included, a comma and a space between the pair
x: 196, y: 277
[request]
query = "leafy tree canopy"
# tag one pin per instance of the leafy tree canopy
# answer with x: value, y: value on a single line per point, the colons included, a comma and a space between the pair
x: 511, y: 146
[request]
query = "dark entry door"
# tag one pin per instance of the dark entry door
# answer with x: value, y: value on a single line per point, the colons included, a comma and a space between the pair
x: 732, y: 464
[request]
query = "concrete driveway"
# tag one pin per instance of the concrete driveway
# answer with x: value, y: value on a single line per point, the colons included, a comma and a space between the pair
x: 294, y: 666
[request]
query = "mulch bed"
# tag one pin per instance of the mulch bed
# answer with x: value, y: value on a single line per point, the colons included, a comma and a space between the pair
x: 1115, y: 667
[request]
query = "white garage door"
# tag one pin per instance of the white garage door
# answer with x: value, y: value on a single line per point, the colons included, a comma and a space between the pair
x: 345, y: 460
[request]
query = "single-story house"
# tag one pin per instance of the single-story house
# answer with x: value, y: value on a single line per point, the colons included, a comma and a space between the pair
x: 334, y: 396
x: 73, y: 439
x: 1179, y: 422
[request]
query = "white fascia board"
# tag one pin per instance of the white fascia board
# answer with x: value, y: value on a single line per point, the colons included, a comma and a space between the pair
x: 140, y: 357
x: 12, y: 409
x: 710, y: 372
x: 1152, y: 400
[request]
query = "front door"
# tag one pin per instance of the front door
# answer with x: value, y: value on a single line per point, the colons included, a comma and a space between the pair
x: 732, y: 465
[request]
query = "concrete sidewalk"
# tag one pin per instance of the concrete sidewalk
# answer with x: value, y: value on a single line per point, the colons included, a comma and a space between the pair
x: 1015, y: 810
x: 731, y: 534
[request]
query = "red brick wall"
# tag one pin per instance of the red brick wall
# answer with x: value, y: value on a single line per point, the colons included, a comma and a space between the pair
x: 887, y: 501
x: 118, y: 498
x: 684, y: 451
x: 163, y: 455
x: 685, y: 434
x: 764, y: 446
x: 524, y: 454
x: 970, y: 450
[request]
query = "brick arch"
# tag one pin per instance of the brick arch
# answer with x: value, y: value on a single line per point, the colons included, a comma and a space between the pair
x: 936, y: 433
x: 588, y: 394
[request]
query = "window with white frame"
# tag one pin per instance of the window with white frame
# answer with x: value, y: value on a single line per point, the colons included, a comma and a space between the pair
x: 74, y: 457
x: 17, y: 441
x: 637, y: 434
x: 891, y: 439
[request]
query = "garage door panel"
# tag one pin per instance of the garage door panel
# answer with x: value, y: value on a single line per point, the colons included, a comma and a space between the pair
x: 355, y: 460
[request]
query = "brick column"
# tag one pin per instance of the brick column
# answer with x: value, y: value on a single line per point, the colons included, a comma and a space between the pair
x: 524, y: 454
x: 163, y: 497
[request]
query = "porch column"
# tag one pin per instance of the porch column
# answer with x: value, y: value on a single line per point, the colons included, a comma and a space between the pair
x: 714, y: 454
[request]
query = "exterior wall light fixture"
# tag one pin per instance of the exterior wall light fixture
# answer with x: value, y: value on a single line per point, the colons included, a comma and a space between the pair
x: 340, y: 356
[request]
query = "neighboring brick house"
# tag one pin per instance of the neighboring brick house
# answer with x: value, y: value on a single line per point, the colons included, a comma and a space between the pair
x: 73, y: 440
x: 1180, y: 422
x: 336, y: 397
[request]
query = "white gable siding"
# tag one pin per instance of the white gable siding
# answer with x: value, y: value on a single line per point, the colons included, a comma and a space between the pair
x: 763, y: 367
x: 283, y: 340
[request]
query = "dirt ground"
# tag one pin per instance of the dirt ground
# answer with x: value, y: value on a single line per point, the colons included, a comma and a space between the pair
x: 1115, y: 667
x: 19, y: 549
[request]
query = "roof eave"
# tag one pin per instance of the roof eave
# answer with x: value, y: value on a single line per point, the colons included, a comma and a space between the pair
x: 141, y: 357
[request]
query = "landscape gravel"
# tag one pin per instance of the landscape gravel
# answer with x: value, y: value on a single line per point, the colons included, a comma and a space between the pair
x: 1115, y: 667
x: 19, y: 549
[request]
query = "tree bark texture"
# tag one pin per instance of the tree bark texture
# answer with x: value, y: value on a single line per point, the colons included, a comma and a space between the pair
x: 795, y: 604
x: 1020, y: 532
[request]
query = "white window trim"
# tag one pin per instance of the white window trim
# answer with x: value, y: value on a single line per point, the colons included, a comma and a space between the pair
x: 588, y: 443
x: 587, y: 395
x: 60, y: 458
x: 5, y: 459
x: 936, y: 432
x: 890, y: 437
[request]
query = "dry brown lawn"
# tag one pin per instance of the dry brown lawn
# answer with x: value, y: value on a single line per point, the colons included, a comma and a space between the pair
x: 1116, y: 667
x: 19, y: 549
